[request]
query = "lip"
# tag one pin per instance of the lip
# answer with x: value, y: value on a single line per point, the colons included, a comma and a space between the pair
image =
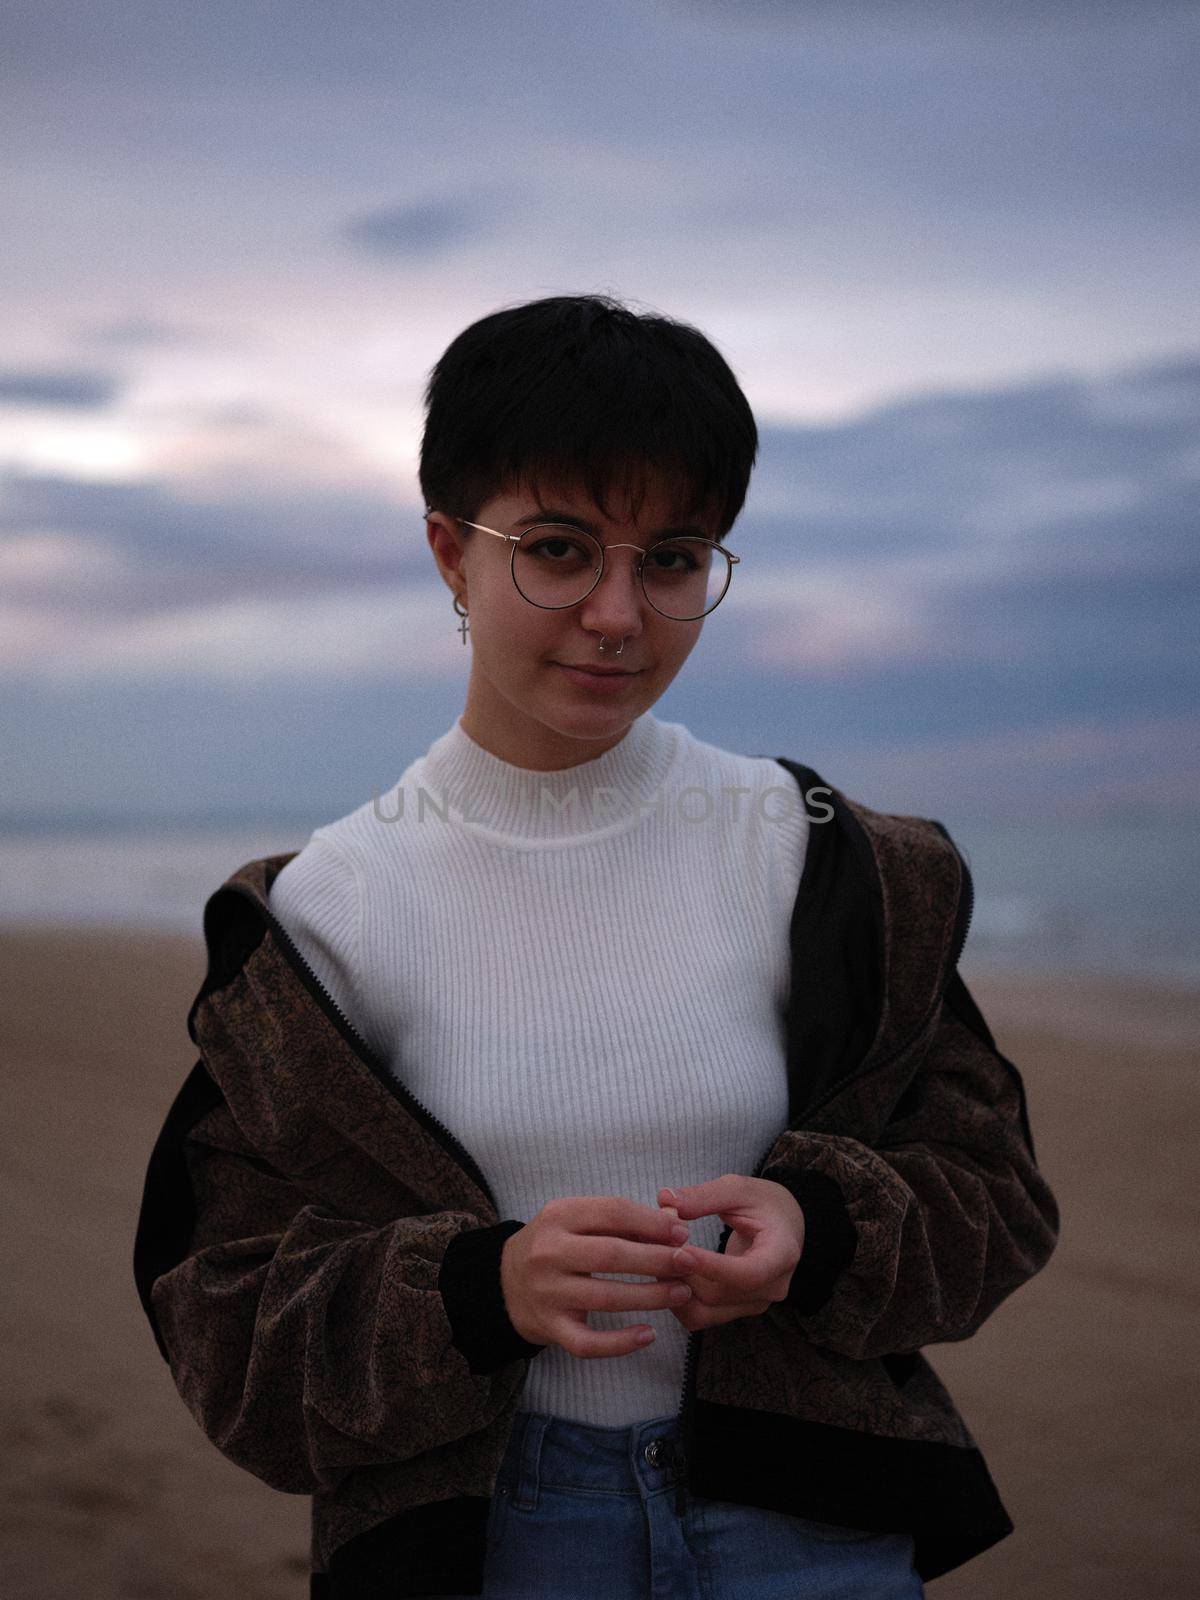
x: 597, y: 678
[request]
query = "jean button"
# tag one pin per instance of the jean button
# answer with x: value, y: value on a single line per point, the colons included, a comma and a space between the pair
x: 655, y: 1451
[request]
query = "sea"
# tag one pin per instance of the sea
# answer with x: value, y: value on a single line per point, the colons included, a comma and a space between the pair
x: 1119, y: 896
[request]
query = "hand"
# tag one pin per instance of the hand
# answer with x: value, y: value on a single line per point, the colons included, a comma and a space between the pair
x: 545, y: 1267
x: 761, y: 1254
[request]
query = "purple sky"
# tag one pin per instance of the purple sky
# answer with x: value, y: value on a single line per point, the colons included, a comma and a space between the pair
x: 950, y: 254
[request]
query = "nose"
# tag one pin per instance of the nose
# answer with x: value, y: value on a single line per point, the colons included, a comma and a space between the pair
x: 616, y: 605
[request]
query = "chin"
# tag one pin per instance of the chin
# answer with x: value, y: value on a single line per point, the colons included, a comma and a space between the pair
x: 592, y: 722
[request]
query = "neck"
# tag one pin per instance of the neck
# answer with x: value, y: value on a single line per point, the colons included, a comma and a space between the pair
x: 609, y: 791
x: 521, y: 740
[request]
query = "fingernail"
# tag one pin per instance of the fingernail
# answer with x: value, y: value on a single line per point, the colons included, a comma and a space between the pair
x: 673, y: 1195
x: 682, y: 1259
x: 679, y: 1234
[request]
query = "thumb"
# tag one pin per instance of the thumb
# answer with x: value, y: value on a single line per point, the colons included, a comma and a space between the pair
x: 694, y: 1200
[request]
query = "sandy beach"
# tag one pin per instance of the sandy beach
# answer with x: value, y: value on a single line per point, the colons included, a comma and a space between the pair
x: 1078, y: 1389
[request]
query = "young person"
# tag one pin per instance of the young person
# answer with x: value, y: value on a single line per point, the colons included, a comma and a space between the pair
x: 588, y: 1134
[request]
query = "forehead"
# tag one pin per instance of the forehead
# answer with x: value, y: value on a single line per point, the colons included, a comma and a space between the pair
x: 643, y: 496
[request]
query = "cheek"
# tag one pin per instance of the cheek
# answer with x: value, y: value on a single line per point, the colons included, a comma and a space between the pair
x: 505, y: 608
x: 518, y: 629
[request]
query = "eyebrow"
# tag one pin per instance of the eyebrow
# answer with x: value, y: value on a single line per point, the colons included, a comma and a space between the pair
x: 573, y: 520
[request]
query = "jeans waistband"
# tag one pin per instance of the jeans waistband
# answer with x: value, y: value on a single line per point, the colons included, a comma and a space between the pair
x: 546, y: 1452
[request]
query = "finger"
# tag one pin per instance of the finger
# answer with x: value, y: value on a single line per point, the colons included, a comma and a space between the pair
x: 592, y: 1253
x: 738, y: 1276
x: 695, y: 1314
x: 725, y: 1193
x: 614, y: 1214
x: 590, y: 1344
x: 606, y: 1294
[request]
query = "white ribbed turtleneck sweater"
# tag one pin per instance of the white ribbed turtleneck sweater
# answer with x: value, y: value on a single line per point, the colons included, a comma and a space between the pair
x: 579, y: 975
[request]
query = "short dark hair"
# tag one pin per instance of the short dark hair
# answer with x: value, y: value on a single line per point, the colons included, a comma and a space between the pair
x: 582, y: 389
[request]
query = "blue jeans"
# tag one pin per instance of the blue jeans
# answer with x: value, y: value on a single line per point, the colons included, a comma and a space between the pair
x: 582, y: 1512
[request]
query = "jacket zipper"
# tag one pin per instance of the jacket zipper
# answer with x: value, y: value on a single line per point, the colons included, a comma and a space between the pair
x: 389, y: 1080
x: 684, y: 1414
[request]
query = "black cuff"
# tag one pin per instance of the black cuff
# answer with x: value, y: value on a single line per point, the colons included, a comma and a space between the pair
x: 469, y: 1284
x: 830, y: 1238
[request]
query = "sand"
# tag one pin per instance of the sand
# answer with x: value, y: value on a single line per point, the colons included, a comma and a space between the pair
x: 1077, y: 1389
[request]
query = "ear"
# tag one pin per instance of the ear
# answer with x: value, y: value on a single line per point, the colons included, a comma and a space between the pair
x: 448, y: 545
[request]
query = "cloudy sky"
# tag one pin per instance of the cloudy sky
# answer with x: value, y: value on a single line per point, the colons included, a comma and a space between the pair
x: 950, y: 251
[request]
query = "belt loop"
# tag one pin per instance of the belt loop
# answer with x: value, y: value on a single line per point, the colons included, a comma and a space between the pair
x: 525, y: 1494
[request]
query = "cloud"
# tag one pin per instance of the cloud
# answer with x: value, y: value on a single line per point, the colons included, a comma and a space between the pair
x: 335, y: 531
x: 346, y: 635
x: 67, y: 388
x: 1045, y: 529
x: 419, y: 230
x: 48, y: 566
x: 1162, y: 392
x: 1066, y: 464
x: 817, y: 619
x: 137, y: 333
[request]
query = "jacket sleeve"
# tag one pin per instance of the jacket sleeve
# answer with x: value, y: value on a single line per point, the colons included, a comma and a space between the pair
x: 307, y: 1343
x: 917, y: 1238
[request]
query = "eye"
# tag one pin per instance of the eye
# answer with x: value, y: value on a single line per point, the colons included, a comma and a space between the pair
x: 675, y: 559
x: 557, y: 546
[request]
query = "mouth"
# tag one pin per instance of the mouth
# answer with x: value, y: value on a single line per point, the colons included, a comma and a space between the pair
x: 597, y: 674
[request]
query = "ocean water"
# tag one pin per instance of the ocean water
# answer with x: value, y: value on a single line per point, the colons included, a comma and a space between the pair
x: 1120, y: 896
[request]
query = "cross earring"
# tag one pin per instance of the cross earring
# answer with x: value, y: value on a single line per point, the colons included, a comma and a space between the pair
x: 461, y: 611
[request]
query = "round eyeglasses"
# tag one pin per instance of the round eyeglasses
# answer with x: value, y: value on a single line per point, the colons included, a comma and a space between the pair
x: 555, y: 565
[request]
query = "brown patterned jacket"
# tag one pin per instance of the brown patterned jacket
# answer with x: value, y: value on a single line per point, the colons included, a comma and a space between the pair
x: 319, y: 1256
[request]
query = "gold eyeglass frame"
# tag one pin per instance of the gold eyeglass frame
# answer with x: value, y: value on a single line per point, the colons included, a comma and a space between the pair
x: 515, y: 538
